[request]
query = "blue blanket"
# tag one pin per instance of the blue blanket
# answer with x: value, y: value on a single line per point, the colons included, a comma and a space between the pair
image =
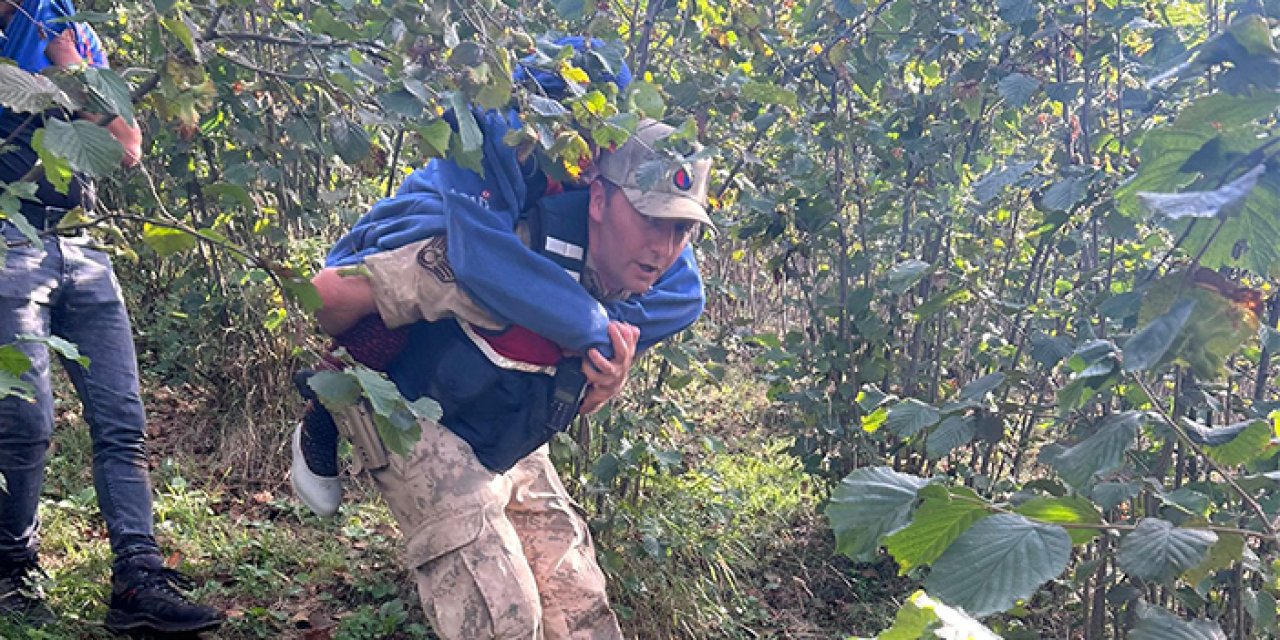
x: 492, y: 265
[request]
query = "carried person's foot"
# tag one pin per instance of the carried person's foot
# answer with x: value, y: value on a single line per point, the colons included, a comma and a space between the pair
x: 320, y: 491
x: 21, y: 595
x: 148, y: 596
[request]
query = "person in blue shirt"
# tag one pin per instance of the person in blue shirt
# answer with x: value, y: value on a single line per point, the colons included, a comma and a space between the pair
x: 493, y: 540
x: 64, y: 287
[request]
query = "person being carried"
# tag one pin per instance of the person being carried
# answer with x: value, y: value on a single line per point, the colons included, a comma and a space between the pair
x: 63, y: 286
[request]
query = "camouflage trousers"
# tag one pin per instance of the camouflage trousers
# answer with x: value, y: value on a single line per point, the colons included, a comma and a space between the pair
x: 495, y: 555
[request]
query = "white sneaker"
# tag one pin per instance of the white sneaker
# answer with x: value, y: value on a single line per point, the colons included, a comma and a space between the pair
x: 320, y: 493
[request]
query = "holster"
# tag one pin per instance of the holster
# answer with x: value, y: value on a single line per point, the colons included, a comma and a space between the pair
x: 356, y: 424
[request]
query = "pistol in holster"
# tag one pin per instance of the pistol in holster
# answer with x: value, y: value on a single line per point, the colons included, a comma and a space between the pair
x: 356, y: 424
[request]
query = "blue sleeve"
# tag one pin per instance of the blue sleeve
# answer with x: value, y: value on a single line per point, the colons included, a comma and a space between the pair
x: 675, y: 302
x: 28, y: 31
x: 499, y: 272
x: 37, y: 22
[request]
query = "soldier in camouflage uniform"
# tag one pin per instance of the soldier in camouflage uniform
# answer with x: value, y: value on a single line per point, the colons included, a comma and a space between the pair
x: 504, y: 553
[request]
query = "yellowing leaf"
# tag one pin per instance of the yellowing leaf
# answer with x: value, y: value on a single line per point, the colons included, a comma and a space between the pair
x: 574, y: 74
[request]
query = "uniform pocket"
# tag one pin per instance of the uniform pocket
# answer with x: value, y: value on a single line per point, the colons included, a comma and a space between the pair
x: 474, y: 579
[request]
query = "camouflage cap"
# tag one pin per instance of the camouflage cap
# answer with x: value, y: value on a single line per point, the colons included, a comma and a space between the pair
x: 680, y: 194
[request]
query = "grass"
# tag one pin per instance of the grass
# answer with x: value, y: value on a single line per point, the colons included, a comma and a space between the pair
x: 277, y: 570
x: 726, y: 544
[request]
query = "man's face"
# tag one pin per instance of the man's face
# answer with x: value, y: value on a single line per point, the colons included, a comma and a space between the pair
x: 630, y: 250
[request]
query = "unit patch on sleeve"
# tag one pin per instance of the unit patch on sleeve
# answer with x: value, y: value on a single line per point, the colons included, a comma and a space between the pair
x: 434, y: 257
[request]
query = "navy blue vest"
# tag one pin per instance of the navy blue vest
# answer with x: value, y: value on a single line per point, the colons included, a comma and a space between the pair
x: 503, y: 414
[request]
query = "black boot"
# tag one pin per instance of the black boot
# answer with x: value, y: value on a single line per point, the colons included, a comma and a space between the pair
x: 147, y: 596
x: 21, y: 595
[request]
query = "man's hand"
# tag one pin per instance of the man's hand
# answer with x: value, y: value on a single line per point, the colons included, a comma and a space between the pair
x: 605, y: 376
x: 63, y: 53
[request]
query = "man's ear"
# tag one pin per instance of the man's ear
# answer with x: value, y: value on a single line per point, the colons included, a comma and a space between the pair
x: 599, y: 199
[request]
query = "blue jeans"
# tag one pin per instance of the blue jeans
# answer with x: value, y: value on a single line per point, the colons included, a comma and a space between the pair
x: 68, y: 289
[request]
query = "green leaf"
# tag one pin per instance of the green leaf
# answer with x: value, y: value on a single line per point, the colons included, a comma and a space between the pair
x: 1261, y: 606
x: 1147, y: 348
x: 1165, y: 150
x: 906, y: 273
x: 869, y: 504
x: 1109, y: 495
x: 1239, y: 443
x: 849, y: 10
x: 13, y: 361
x: 495, y: 93
x: 1222, y: 202
x: 937, y: 522
x: 396, y: 423
x: 615, y: 131
x: 1217, y: 328
x: 56, y: 169
x: 997, y: 562
x: 349, y: 139
x: 1100, y: 452
x: 304, y: 292
x: 937, y: 303
x: 1249, y: 240
x: 28, y: 92
x: 909, y: 417
x: 990, y: 185
x: 19, y: 222
x: 924, y: 617
x: 179, y: 28
x: 323, y: 21
x: 467, y: 54
x: 978, y: 389
x: 1228, y: 550
x: 955, y: 431
x: 871, y: 397
x: 425, y: 408
x: 166, y: 241
x: 1065, y: 194
x: 336, y: 390
x: 1017, y: 88
x: 1155, y: 623
x: 87, y: 147
x: 768, y: 93
x: 1065, y: 510
x: 1253, y: 34
x: 1018, y: 11
x: 11, y: 385
x: 437, y: 135
x: 571, y: 9
x: 61, y: 346
x: 546, y: 107
x: 403, y: 102
x: 1158, y: 551
x: 647, y: 99
x: 468, y: 129
x: 1049, y: 351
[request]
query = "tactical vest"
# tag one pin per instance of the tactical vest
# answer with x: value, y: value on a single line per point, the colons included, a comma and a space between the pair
x: 505, y: 407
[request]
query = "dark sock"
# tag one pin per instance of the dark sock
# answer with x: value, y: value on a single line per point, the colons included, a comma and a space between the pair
x: 320, y: 440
